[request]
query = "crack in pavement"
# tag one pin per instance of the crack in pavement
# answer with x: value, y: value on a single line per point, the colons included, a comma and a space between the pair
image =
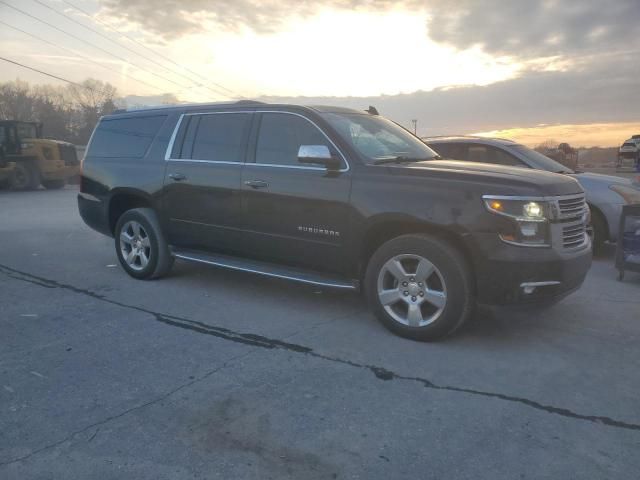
x: 110, y: 418
x: 270, y: 343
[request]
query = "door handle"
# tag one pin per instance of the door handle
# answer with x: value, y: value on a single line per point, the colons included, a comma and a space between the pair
x: 177, y: 177
x: 256, y: 183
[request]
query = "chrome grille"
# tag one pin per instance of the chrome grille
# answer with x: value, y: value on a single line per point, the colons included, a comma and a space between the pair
x: 572, y: 207
x: 574, y: 235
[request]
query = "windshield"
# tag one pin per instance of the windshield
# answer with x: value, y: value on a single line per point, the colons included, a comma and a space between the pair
x: 27, y: 130
x: 541, y: 161
x: 377, y: 138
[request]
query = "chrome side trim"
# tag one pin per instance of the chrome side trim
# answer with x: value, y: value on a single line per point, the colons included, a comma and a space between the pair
x: 86, y: 150
x: 528, y: 245
x: 88, y: 196
x: 539, y: 284
x: 530, y: 287
x: 266, y: 273
x: 534, y: 198
x: 188, y: 160
x: 167, y: 155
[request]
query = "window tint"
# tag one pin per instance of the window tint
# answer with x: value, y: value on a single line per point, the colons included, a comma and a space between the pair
x: 220, y: 137
x: 27, y: 130
x: 377, y: 138
x: 280, y: 138
x: 183, y: 145
x: 450, y: 151
x: 487, y: 154
x: 125, y: 137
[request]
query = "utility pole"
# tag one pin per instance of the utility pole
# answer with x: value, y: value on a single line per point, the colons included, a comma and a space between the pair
x: 415, y: 126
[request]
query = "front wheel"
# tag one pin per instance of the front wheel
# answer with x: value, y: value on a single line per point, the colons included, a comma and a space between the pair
x: 26, y: 176
x: 140, y: 244
x: 420, y: 287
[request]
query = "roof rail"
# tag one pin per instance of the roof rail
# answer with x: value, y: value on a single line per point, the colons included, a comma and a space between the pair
x: 176, y: 105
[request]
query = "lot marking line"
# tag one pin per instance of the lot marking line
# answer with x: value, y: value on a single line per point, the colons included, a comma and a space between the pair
x: 270, y: 343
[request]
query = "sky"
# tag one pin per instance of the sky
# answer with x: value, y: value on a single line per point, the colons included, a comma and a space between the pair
x: 523, y: 68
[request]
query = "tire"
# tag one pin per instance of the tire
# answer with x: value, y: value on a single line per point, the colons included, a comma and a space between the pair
x: 26, y: 176
x: 600, y: 231
x: 139, y: 228
x: 53, y: 184
x: 449, y: 286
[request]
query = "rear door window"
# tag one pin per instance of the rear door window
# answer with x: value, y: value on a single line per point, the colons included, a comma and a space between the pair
x: 125, y: 137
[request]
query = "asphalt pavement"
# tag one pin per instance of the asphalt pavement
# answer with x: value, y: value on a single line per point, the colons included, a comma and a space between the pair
x: 211, y: 374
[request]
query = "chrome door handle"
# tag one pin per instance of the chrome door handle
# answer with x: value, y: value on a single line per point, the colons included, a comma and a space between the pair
x: 177, y: 177
x: 256, y: 183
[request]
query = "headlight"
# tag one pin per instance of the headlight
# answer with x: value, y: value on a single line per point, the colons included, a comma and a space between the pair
x: 25, y: 146
x: 629, y: 194
x: 529, y: 218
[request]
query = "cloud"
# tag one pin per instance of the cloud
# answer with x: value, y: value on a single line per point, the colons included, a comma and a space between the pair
x: 526, y: 28
x: 173, y: 18
x: 521, y: 28
x: 603, y: 91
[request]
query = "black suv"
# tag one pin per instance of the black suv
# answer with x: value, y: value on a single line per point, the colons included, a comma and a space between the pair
x: 332, y: 197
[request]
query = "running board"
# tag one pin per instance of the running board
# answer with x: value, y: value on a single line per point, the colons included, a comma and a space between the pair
x: 265, y: 268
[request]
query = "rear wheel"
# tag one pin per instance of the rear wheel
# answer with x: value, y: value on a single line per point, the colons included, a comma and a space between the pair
x: 53, y: 184
x: 140, y: 244
x: 26, y: 176
x: 419, y: 287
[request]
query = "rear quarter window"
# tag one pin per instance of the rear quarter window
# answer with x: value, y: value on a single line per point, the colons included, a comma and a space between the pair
x: 125, y: 137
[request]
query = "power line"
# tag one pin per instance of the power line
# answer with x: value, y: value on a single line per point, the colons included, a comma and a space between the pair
x: 164, y: 57
x: 62, y: 14
x: 47, y: 74
x: 91, y: 44
x: 78, y: 55
x: 97, y: 32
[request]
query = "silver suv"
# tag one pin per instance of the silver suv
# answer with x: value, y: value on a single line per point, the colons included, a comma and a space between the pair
x: 605, y: 194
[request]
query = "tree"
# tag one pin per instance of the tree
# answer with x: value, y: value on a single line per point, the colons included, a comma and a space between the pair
x: 16, y: 102
x: 93, y: 100
x: 546, y: 146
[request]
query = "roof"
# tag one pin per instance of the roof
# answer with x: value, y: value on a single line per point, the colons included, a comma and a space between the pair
x: 332, y: 109
x: 240, y: 103
x: 469, y: 138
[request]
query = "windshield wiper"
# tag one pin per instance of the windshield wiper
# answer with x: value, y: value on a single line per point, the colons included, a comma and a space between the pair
x: 398, y: 159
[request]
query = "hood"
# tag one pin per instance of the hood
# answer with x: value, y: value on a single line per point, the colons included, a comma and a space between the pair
x: 510, y: 180
x: 597, y: 178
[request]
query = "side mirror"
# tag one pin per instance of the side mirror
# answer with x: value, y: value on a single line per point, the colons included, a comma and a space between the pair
x: 318, y: 154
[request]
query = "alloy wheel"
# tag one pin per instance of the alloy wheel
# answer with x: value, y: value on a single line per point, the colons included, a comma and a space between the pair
x: 411, y: 289
x: 135, y: 245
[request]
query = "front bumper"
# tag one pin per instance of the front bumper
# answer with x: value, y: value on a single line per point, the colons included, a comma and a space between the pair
x: 507, y: 274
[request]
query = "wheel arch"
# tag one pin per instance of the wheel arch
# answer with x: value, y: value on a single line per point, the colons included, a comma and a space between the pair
x: 596, y: 211
x: 385, y: 228
x: 124, y: 199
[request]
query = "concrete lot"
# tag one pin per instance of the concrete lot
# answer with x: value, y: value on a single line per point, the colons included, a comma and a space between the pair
x: 217, y: 374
